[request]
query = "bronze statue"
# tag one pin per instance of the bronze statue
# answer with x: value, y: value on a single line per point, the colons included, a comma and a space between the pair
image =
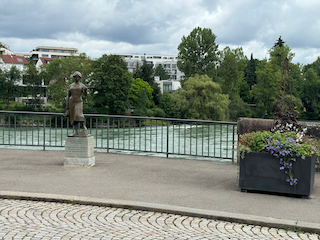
x: 75, y: 104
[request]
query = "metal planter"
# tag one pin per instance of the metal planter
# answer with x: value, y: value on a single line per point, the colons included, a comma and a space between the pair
x: 260, y: 171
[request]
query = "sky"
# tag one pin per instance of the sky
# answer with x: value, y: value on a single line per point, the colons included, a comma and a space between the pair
x: 98, y: 27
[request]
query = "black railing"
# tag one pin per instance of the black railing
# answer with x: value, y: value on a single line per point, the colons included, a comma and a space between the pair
x: 169, y: 136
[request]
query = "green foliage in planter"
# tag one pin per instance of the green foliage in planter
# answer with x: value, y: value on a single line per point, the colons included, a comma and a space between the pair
x: 287, y: 146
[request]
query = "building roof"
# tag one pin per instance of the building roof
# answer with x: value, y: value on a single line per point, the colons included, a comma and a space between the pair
x: 13, y: 59
x: 45, y: 60
x: 56, y: 48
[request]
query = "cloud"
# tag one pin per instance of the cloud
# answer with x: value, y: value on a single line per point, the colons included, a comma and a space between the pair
x: 108, y: 26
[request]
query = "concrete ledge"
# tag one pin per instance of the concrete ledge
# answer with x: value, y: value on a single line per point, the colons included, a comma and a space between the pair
x: 192, y: 212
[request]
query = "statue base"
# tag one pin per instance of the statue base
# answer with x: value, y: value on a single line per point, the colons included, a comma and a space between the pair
x: 79, y: 151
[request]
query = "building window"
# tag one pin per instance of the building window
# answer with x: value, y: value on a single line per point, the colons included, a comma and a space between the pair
x: 44, y: 50
x: 167, y: 87
x: 62, y: 51
x: 45, y: 55
x: 174, y: 65
x: 136, y: 56
x: 54, y: 56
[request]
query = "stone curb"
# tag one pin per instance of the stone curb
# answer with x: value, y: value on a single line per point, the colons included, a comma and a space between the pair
x: 192, y: 212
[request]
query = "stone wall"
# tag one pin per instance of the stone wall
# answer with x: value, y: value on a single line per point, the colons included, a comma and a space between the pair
x: 247, y: 125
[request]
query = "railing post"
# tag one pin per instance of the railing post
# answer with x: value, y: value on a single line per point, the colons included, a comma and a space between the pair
x: 108, y: 122
x: 167, y: 139
x: 44, y: 132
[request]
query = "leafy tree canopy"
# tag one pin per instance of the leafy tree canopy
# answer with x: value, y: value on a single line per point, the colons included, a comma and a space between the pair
x: 139, y: 86
x: 146, y: 73
x: 198, y: 53
x: 8, y: 87
x: 201, y: 98
x: 112, y: 84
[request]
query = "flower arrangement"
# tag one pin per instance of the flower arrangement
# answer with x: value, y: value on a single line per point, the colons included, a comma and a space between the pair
x: 286, y: 146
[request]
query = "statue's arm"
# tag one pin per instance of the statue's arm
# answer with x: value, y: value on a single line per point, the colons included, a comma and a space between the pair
x: 85, y: 90
x: 67, y: 103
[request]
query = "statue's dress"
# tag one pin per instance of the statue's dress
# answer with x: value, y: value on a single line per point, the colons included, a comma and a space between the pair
x: 75, y: 102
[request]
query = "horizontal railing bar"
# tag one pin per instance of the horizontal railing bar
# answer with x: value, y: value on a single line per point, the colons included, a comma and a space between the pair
x: 121, y: 116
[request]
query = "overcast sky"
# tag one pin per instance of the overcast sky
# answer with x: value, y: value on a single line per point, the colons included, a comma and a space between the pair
x: 99, y: 27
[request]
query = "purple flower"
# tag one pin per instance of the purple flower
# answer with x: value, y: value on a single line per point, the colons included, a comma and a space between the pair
x: 295, y: 180
x: 291, y: 183
x: 281, y: 168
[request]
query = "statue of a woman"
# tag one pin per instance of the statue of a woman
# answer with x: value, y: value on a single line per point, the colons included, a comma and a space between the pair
x: 75, y: 104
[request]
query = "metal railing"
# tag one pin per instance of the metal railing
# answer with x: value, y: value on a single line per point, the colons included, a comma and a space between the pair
x: 169, y: 136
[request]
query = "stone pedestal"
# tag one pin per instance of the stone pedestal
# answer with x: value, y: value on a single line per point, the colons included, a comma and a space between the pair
x: 79, y: 151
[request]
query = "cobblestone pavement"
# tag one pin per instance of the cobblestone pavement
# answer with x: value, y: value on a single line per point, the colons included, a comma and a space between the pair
x: 20, y: 219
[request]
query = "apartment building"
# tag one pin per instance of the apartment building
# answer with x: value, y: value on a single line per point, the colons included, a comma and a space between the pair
x: 168, y: 62
x: 52, y: 52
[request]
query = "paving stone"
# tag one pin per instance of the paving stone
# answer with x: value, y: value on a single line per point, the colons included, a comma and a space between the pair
x: 41, y: 220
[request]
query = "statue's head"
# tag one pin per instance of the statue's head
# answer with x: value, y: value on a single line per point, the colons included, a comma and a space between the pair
x: 77, y: 73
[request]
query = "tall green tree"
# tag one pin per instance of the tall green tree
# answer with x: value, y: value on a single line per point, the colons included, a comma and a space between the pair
x: 8, y: 84
x: 33, y: 80
x: 279, y: 43
x: 169, y: 106
x: 250, y: 75
x: 278, y: 53
x: 315, y: 66
x: 201, y: 98
x: 232, y: 63
x: 266, y: 90
x: 57, y: 75
x: 161, y: 72
x: 146, y: 73
x: 311, y: 95
x: 198, y: 53
x: 112, y: 84
x: 138, y: 86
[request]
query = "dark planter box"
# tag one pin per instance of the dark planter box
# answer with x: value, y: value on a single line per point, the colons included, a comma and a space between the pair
x: 261, y: 172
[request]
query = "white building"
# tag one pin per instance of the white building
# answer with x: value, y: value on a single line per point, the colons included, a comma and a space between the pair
x: 52, y: 52
x: 8, y: 61
x: 168, y: 62
x: 168, y: 85
x: 5, y: 49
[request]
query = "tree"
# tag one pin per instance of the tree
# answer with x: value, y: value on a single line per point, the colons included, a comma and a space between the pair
x: 279, y: 43
x: 266, y: 90
x: 315, y: 66
x: 311, y: 94
x: 146, y: 73
x: 278, y: 53
x: 8, y: 84
x: 169, y: 106
x: 161, y: 72
x: 250, y: 75
x: 201, y: 98
x: 139, y: 88
x: 33, y: 81
x: 112, y: 84
x: 198, y: 53
x: 232, y: 63
x: 57, y: 74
